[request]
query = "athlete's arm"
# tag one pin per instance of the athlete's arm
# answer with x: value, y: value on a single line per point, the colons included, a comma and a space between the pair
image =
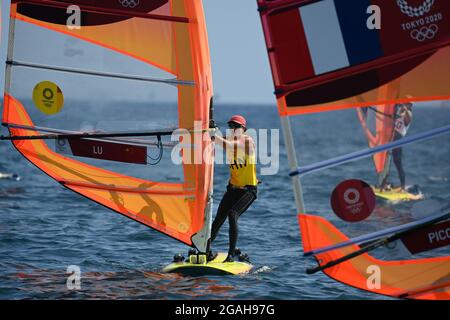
x: 242, y: 143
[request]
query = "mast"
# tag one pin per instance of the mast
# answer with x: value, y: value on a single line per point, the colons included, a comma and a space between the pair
x: 201, y: 239
x: 293, y: 163
x: 10, y: 54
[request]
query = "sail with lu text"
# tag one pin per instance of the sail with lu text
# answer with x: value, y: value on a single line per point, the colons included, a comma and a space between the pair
x: 93, y: 94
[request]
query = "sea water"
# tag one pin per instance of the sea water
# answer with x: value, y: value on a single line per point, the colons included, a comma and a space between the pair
x: 46, y: 230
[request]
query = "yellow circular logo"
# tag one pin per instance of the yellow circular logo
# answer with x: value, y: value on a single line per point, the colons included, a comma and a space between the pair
x: 48, y: 97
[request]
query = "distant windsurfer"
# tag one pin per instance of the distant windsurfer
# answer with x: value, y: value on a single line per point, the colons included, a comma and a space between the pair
x: 402, y: 120
x: 11, y: 176
x: 242, y: 186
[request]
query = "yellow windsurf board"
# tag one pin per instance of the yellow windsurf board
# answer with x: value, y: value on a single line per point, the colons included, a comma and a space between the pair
x: 213, y: 267
x: 396, y: 195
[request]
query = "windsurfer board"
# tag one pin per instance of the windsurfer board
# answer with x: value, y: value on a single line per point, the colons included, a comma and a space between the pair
x: 396, y: 195
x: 213, y: 267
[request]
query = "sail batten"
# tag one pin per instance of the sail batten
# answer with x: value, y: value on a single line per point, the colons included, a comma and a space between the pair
x: 85, y: 135
x: 100, y: 74
x: 61, y: 131
x: 357, y: 155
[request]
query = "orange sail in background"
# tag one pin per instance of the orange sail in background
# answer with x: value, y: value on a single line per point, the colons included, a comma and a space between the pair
x: 87, y: 66
x: 382, y: 130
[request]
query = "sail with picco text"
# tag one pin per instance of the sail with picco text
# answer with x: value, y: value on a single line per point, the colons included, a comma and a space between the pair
x: 332, y: 57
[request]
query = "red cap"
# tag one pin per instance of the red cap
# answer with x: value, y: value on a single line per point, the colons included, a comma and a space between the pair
x: 239, y: 120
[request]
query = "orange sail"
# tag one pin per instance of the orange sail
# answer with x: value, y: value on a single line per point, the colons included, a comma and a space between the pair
x: 419, y: 279
x: 133, y: 71
x: 381, y: 130
x: 332, y: 55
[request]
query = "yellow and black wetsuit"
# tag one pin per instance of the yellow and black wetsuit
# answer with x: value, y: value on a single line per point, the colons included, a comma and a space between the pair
x: 240, y: 194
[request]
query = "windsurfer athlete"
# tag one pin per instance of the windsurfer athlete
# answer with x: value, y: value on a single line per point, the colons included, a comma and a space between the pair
x: 402, y: 121
x: 242, y: 187
x: 11, y: 176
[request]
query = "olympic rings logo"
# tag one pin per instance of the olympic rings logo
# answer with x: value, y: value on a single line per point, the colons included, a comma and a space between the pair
x: 424, y: 33
x: 351, y: 196
x: 129, y: 3
x: 411, y: 11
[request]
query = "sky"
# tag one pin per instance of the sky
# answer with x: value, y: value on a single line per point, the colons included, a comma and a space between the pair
x: 240, y: 64
x: 241, y: 71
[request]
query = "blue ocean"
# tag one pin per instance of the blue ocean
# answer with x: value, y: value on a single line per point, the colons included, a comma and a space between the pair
x: 45, y: 228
